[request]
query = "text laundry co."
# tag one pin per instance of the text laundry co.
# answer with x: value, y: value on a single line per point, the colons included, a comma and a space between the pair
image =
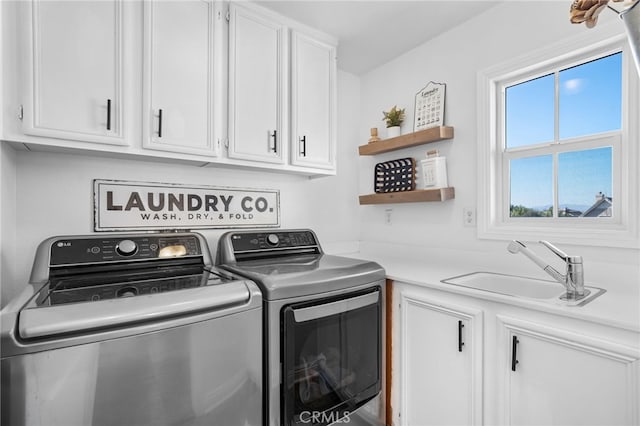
x: 161, y: 201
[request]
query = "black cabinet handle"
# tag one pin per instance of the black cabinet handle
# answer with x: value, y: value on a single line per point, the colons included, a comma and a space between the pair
x: 274, y: 148
x: 460, y: 342
x: 108, y: 114
x: 303, y: 151
x: 514, y: 353
x: 159, y: 123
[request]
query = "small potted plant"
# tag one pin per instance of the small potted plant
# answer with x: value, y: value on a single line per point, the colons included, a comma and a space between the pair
x: 393, y: 119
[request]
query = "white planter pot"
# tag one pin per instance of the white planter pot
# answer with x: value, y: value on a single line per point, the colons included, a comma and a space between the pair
x: 393, y: 132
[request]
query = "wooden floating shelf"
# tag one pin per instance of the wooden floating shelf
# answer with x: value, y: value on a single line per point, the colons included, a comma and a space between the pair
x: 416, y: 196
x: 421, y: 137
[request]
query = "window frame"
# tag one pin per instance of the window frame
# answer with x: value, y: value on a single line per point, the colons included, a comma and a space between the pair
x: 494, y: 221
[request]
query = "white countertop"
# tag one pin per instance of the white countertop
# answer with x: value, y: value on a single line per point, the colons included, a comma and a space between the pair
x: 618, y: 307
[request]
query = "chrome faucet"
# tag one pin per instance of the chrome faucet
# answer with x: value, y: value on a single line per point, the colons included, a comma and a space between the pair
x: 572, y: 280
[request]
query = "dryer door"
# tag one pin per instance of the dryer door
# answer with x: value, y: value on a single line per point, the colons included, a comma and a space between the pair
x: 332, y: 357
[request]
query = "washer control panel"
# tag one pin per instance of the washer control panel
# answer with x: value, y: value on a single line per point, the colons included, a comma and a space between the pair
x: 101, y: 249
x: 261, y: 241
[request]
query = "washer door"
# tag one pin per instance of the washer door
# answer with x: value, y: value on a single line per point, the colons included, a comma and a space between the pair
x: 332, y: 357
x: 192, y: 374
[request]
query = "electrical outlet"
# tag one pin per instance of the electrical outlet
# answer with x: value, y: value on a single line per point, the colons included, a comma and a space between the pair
x: 387, y: 216
x: 469, y: 216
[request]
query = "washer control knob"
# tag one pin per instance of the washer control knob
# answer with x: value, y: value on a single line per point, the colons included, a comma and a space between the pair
x: 126, y: 248
x: 273, y: 239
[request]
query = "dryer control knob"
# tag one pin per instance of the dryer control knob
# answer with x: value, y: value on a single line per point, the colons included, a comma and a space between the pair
x: 126, y: 248
x: 273, y: 239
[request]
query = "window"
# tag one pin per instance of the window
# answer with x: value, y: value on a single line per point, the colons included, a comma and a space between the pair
x: 558, y: 153
x: 561, y: 131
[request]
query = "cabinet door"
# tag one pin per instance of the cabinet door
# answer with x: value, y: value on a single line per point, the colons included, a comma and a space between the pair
x: 313, y: 94
x: 554, y: 377
x: 440, y: 363
x: 179, y: 77
x: 256, y: 86
x: 75, y: 71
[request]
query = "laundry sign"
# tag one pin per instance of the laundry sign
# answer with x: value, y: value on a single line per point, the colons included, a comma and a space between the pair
x: 127, y: 206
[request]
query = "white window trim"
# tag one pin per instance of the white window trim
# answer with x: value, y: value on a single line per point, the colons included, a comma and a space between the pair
x: 492, y: 223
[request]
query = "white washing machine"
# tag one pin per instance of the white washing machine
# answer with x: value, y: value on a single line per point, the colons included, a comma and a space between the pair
x: 131, y: 329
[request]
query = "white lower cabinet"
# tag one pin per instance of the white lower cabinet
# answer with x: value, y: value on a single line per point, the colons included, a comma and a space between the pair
x: 551, y: 376
x: 516, y: 367
x: 440, y: 362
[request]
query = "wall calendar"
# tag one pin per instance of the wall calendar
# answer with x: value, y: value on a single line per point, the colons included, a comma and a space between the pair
x: 429, y: 107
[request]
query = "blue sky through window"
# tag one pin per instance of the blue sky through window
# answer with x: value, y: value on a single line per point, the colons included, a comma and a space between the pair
x: 591, y: 97
x: 530, y: 112
x: 590, y: 102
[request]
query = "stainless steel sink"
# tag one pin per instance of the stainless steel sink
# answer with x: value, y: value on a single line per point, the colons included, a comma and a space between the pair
x: 522, y: 287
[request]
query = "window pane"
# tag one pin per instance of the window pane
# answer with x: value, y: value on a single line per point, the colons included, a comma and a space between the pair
x: 584, y: 183
x: 531, y: 186
x: 591, y: 97
x: 529, y: 112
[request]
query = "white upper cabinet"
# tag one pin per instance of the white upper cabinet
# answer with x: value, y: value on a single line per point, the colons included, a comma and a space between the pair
x: 282, y: 91
x: 257, y: 86
x: 313, y: 102
x: 174, y: 79
x: 74, y: 70
x: 178, y: 113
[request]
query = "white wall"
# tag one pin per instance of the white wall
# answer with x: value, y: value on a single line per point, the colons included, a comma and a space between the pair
x: 53, y: 193
x: 502, y: 33
x: 7, y: 217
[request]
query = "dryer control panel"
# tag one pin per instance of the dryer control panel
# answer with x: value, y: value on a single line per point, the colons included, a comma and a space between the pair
x: 269, y: 240
x: 250, y: 245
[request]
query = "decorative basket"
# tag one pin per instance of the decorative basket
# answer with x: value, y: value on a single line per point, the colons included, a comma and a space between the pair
x: 395, y: 176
